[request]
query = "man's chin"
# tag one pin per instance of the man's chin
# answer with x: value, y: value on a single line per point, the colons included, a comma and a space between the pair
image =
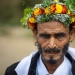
x: 51, y: 59
x: 52, y: 56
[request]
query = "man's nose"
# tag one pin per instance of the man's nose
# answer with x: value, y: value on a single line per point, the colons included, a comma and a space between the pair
x: 52, y: 42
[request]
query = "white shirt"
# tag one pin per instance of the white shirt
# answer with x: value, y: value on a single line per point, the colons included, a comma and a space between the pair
x: 63, y: 69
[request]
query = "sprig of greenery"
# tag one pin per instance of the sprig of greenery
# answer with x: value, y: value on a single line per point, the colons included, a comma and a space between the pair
x: 25, y: 4
x: 70, y: 4
x: 65, y: 19
x: 47, y: 2
x: 27, y: 12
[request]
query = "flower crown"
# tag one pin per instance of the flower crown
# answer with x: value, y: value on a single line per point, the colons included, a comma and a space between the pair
x: 47, y: 11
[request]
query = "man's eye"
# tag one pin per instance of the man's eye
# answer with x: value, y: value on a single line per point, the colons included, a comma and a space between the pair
x: 60, y: 36
x: 45, y: 36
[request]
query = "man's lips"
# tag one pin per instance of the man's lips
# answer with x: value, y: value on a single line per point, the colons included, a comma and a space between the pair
x: 50, y: 52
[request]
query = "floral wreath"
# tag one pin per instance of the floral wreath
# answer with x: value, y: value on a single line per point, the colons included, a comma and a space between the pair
x: 50, y: 10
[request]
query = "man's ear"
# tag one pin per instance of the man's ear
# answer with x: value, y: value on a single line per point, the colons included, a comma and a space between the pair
x: 72, y: 35
x: 35, y: 34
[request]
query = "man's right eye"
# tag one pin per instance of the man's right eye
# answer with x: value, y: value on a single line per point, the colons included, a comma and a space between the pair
x: 45, y: 36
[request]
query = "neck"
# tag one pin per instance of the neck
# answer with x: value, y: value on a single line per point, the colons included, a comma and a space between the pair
x: 52, y: 67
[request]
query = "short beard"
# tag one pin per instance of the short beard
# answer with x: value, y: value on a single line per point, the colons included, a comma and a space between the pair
x: 56, y: 50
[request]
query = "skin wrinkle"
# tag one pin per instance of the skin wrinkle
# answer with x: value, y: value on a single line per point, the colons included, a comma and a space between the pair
x: 55, y: 50
x: 47, y: 31
x: 52, y: 35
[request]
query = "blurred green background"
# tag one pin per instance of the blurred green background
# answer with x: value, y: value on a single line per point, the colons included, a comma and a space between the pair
x: 15, y: 41
x: 12, y: 10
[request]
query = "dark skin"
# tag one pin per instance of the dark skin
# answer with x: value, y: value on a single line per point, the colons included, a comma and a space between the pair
x: 53, y: 35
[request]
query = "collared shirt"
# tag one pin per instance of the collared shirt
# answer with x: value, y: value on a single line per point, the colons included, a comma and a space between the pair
x: 23, y: 67
x: 63, y: 69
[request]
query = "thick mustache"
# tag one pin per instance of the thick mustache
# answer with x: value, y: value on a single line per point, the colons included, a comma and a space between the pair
x: 54, y: 50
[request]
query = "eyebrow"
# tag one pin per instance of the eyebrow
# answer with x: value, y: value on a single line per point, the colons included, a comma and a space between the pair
x: 54, y: 33
x: 60, y: 33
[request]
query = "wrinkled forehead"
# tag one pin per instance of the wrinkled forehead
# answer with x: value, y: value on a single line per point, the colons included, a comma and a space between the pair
x: 52, y: 26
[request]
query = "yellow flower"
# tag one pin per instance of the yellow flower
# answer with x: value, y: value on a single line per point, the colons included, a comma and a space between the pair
x: 68, y: 12
x: 32, y: 20
x: 38, y: 11
x: 59, y: 8
x: 73, y: 19
x: 47, y: 11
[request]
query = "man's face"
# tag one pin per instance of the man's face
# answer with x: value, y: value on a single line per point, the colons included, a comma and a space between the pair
x: 53, y: 39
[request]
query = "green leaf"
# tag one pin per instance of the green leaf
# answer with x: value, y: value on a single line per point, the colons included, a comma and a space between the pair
x: 70, y: 4
x: 27, y: 12
x: 47, y: 2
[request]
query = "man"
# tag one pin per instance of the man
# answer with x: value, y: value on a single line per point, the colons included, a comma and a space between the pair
x: 53, y: 26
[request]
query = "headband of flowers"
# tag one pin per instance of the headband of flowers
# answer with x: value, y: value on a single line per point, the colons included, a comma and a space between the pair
x: 50, y: 10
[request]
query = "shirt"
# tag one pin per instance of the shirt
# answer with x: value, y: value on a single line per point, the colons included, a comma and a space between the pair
x: 23, y: 67
x: 63, y: 69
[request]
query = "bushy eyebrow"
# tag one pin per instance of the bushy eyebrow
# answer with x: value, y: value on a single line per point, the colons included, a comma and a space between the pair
x: 45, y: 34
x: 60, y: 33
x: 56, y: 34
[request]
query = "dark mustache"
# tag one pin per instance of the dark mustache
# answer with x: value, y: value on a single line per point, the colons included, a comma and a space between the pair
x: 54, y: 50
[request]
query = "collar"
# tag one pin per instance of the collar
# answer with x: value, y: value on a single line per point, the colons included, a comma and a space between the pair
x: 24, y: 65
x: 71, y: 51
x: 41, y: 69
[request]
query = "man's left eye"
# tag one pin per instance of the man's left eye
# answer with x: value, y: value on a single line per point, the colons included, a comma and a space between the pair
x: 60, y: 36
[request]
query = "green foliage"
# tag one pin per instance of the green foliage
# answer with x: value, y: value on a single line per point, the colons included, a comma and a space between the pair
x: 43, y: 18
x: 70, y: 4
x: 27, y: 12
x: 25, y: 4
x: 10, y: 12
x: 47, y: 2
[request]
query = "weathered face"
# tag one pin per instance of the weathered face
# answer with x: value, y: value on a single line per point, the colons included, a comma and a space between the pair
x: 53, y: 39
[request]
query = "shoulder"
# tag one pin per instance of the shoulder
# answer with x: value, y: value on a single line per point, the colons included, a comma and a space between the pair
x: 10, y: 70
x: 71, y: 51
